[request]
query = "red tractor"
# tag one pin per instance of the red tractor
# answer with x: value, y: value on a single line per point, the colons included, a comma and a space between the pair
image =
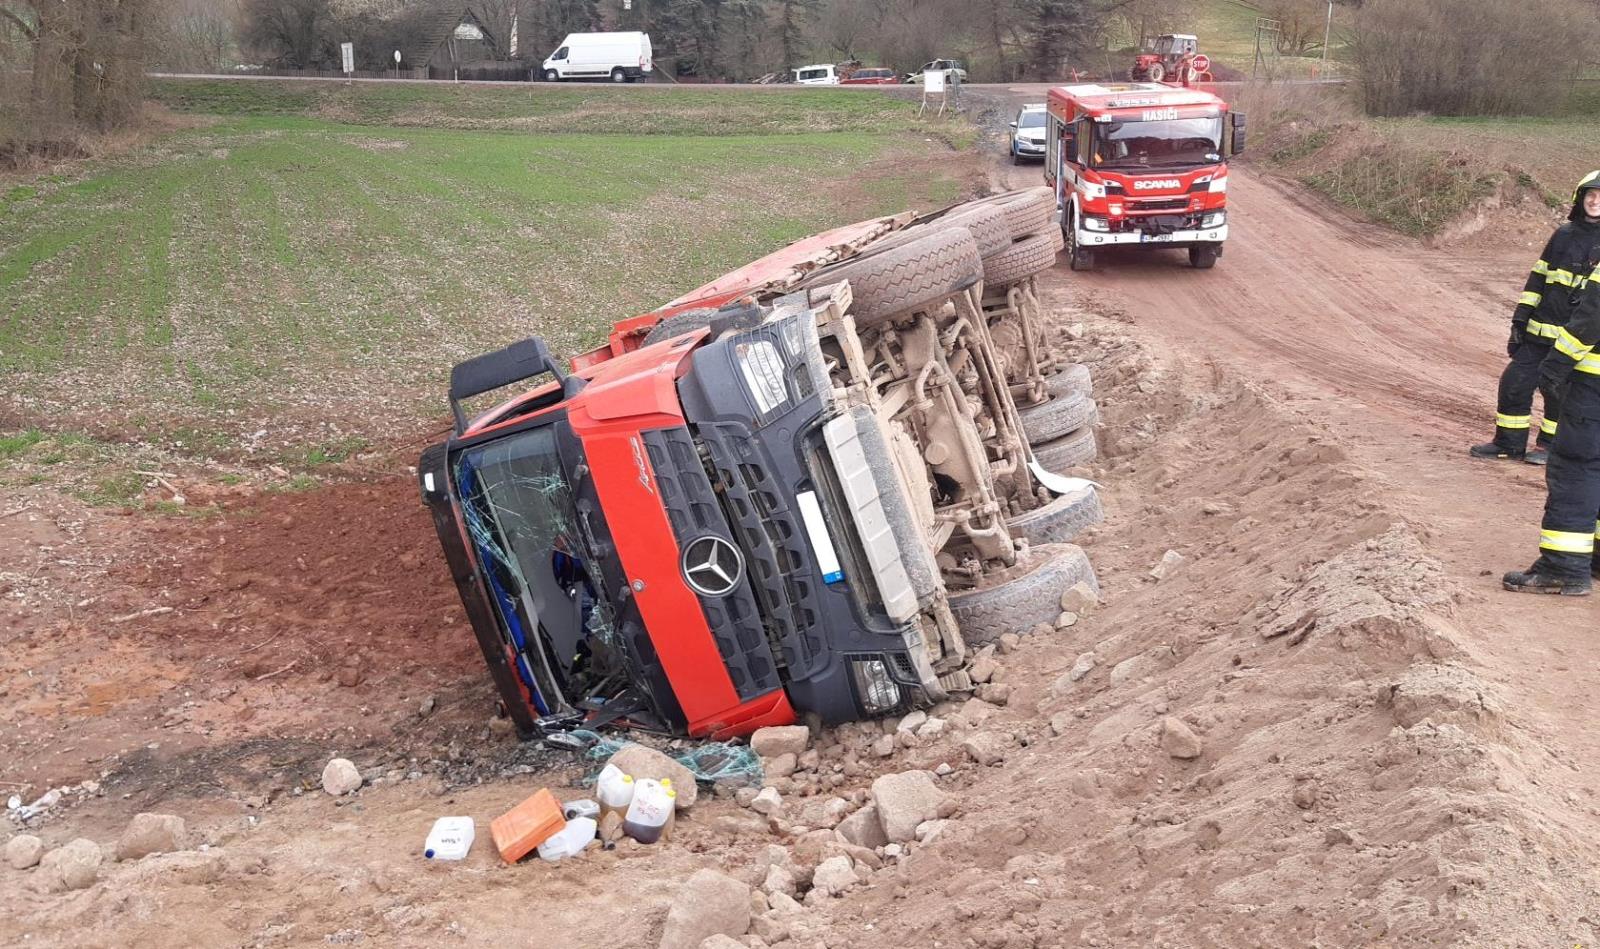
x: 1172, y: 57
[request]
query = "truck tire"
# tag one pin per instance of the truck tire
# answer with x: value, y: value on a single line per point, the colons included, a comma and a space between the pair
x: 1074, y: 378
x: 1068, y: 452
x: 1061, y: 415
x: 988, y: 225
x: 1027, y: 211
x: 1058, y: 240
x: 1020, y: 261
x: 617, y: 75
x: 550, y: 75
x: 1061, y: 520
x: 1031, y: 597
x: 1203, y: 256
x: 911, y: 276
x: 677, y: 324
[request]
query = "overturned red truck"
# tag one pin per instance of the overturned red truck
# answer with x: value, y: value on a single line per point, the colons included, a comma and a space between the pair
x: 805, y: 489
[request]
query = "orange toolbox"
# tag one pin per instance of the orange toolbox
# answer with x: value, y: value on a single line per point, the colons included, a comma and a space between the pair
x: 518, y: 831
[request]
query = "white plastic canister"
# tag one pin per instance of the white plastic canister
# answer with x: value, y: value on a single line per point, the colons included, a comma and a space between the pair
x: 614, y: 789
x: 653, y: 802
x: 569, y: 840
x: 450, y: 838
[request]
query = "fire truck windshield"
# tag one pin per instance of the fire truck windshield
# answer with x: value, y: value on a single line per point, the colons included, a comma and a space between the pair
x: 1162, y: 144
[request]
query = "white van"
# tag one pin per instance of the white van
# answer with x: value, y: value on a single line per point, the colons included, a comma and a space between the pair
x: 821, y: 74
x: 620, y: 57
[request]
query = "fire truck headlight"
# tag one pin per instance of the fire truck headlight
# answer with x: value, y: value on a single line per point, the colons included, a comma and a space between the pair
x: 1092, y: 223
x: 1218, y: 184
x: 1093, y: 191
x: 1214, y: 219
x: 877, y: 692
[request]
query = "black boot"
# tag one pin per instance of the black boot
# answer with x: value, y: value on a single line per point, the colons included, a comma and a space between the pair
x: 1533, y: 581
x: 1495, y: 450
x: 1539, y: 456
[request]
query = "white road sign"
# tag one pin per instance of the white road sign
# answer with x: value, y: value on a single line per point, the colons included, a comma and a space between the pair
x: 348, y: 50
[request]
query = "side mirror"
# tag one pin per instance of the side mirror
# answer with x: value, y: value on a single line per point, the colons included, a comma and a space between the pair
x: 1237, y: 118
x: 1069, y: 146
x: 516, y: 362
x: 1013, y: 125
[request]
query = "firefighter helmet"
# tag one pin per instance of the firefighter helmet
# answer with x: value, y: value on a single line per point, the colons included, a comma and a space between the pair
x: 1589, y: 182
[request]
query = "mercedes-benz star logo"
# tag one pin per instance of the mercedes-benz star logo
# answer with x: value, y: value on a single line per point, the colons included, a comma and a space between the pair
x: 712, y: 566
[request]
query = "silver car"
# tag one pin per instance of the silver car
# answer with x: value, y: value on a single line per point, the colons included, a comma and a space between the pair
x: 1027, y: 133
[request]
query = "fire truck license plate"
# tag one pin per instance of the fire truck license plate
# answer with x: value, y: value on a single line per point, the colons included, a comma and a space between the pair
x: 1154, y: 238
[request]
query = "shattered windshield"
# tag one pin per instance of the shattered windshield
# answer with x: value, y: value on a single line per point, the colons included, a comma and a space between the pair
x: 1165, y: 144
x: 519, y: 511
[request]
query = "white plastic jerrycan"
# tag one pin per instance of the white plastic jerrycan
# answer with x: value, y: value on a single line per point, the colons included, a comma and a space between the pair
x: 650, y: 810
x: 450, y: 838
x: 569, y: 840
x: 614, y: 789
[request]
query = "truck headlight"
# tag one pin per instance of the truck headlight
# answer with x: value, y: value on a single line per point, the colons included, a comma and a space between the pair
x: 876, y: 690
x: 1092, y: 223
x: 1214, y: 219
x: 762, y: 368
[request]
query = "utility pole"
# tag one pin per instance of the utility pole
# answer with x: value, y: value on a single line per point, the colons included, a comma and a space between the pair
x: 1327, y: 36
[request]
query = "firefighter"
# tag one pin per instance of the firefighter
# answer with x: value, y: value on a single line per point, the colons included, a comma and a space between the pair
x: 1571, y: 372
x: 1546, y: 301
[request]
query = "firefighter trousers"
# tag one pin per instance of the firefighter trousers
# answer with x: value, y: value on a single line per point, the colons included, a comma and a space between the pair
x: 1514, y: 408
x: 1572, y: 483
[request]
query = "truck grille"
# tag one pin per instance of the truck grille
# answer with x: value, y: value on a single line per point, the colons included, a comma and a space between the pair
x: 691, y: 505
x: 1157, y: 204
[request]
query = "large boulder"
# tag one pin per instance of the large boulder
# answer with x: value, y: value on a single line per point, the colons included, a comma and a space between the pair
x: 340, y: 777
x: 151, y: 833
x: 73, y: 866
x: 905, y: 800
x: 778, y: 740
x: 708, y: 904
x: 642, y: 761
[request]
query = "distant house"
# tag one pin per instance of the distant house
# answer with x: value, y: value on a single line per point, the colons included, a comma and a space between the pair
x: 453, y: 43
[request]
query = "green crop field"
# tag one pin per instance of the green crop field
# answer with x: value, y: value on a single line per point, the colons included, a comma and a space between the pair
x: 271, y: 280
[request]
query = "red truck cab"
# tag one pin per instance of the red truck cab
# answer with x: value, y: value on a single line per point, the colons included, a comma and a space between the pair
x: 1141, y: 164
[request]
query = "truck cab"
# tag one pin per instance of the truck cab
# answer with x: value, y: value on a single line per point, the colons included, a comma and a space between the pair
x: 1140, y: 164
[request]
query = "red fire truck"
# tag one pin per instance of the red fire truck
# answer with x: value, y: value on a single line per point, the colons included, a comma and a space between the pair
x: 1140, y: 163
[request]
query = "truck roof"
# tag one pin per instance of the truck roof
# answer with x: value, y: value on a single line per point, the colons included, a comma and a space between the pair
x: 1103, y: 98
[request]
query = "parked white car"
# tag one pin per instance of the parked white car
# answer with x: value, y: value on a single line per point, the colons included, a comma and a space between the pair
x: 1027, y: 133
x: 950, y: 67
x: 822, y: 74
x: 620, y: 57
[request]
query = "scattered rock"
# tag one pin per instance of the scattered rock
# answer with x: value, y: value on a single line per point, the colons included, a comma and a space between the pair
x: 72, y: 866
x: 809, y: 760
x: 340, y: 777
x: 834, y: 875
x: 863, y: 828
x: 744, y: 797
x: 884, y: 746
x: 943, y: 769
x: 1334, y: 836
x: 1045, y: 629
x: 158, y: 833
x: 426, y: 708
x: 976, y: 711
x: 1009, y: 643
x: 912, y: 721
x: 1080, y: 598
x: 983, y: 669
x: 931, y: 729
x: 905, y: 800
x: 986, y: 748
x: 1085, y: 665
x: 610, y: 827
x: 708, y: 904
x: 1170, y: 562
x: 719, y: 941
x: 1132, y: 669
x: 778, y: 880
x: 779, y: 767
x: 780, y: 740
x: 1178, y: 739
x: 928, y: 831
x: 1305, y: 795
x: 1216, y: 508
x: 1060, y: 722
x: 1066, y: 620
x: 23, y: 851
x: 783, y: 904
x: 893, y: 851
x: 642, y: 761
x: 995, y: 693
x: 768, y: 802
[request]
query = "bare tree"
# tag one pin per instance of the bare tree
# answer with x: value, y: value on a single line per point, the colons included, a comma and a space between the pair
x: 198, y: 35
x: 88, y: 60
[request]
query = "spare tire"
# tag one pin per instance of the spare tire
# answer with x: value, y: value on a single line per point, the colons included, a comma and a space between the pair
x: 1068, y: 452
x: 916, y: 275
x: 1058, y: 240
x: 1029, y: 212
x: 1061, y: 520
x: 1060, y: 415
x: 1019, y: 262
x: 988, y: 225
x: 677, y: 324
x: 1073, y: 378
x: 1029, y: 596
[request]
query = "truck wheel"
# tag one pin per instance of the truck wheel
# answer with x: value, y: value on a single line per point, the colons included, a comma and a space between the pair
x: 1019, y: 261
x: 1203, y: 256
x: 550, y: 75
x: 1061, y: 520
x: 1078, y: 258
x: 1028, y: 211
x: 677, y: 324
x: 617, y: 75
x: 1062, y: 415
x: 1156, y: 72
x: 1030, y: 596
x: 910, y: 276
x: 1058, y: 240
x: 988, y: 226
x: 1069, y: 452
x: 1074, y: 378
